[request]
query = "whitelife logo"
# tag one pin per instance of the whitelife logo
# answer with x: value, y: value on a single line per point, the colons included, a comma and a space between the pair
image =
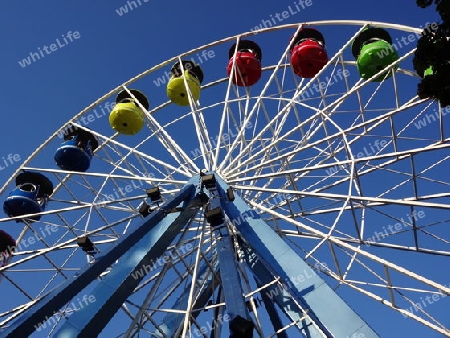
x: 35, y: 56
x: 10, y: 160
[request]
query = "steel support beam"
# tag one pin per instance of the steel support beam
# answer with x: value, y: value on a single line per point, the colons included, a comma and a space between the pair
x: 267, y: 254
x: 241, y: 325
x: 173, y: 322
x: 125, y: 276
x: 275, y: 293
x: 45, y: 308
x: 328, y: 310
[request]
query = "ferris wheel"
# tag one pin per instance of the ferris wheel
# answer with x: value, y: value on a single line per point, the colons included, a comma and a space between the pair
x: 303, y: 192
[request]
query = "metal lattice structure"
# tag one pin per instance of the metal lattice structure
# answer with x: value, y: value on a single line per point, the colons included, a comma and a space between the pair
x: 284, y: 209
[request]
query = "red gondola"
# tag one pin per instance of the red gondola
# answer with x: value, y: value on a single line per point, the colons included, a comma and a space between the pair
x: 308, y: 53
x: 7, y: 246
x: 247, y: 63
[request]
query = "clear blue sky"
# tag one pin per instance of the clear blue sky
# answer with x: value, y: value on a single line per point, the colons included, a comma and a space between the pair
x: 108, y: 49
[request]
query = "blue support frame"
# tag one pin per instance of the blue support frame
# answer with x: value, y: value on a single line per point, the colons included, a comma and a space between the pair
x: 266, y: 253
x: 125, y: 276
x: 329, y: 311
x: 273, y: 315
x: 277, y: 294
x: 241, y: 324
x: 45, y: 308
x: 229, y: 273
x: 172, y: 322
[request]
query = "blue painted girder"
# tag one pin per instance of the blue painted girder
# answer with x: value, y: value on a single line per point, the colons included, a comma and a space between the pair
x: 328, y: 310
x: 25, y: 324
x: 229, y: 273
x: 172, y: 322
x: 113, y: 290
x: 275, y: 294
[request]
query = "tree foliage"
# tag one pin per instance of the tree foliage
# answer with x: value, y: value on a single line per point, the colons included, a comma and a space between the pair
x: 433, y: 54
x: 442, y: 7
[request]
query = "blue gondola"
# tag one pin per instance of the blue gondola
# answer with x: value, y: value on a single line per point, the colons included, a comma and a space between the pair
x: 29, y: 197
x: 75, y: 153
